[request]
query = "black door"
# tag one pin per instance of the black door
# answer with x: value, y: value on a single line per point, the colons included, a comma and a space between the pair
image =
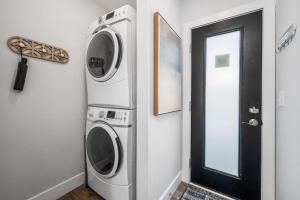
x: 226, y: 106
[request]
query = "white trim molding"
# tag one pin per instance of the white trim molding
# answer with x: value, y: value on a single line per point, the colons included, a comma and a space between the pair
x: 143, y: 99
x: 172, y: 187
x: 61, y: 189
x: 268, y: 89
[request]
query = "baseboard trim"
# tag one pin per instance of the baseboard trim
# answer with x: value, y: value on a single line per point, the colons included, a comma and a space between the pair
x: 172, y: 187
x: 60, y: 189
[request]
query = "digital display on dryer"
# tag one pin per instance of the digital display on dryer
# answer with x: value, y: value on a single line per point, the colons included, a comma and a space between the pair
x: 110, y: 15
x: 111, y: 114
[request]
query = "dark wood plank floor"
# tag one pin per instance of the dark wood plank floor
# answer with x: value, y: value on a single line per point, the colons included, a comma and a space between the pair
x: 81, y: 193
x: 179, y: 191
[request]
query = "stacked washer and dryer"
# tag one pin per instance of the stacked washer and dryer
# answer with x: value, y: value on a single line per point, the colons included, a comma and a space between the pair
x: 111, y: 115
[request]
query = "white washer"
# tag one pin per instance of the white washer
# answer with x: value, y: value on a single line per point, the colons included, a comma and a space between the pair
x: 111, y: 60
x: 110, y: 152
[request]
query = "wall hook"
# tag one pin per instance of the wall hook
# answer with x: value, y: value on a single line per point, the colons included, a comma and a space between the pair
x: 287, y: 38
x: 35, y: 49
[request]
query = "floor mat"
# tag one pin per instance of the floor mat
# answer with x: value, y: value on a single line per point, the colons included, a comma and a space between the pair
x: 191, y: 194
x: 198, y: 193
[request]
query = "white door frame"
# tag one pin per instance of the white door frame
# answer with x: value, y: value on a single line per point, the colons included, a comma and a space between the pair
x: 268, y: 89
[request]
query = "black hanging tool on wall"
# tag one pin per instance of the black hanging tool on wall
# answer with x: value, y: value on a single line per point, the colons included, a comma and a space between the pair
x: 21, y: 73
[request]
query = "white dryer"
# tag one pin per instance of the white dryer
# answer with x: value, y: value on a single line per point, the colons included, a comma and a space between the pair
x: 111, y: 60
x: 110, y: 152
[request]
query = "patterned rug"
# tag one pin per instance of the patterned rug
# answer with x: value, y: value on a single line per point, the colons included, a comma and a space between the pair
x: 196, y: 193
x: 191, y: 194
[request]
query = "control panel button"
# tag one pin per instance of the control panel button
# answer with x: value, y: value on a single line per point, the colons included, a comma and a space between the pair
x: 101, y: 114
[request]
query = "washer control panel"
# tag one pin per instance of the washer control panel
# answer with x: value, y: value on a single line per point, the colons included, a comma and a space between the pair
x: 110, y: 115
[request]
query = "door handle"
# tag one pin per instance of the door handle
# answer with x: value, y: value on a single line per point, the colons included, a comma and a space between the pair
x: 252, y: 122
x: 254, y: 110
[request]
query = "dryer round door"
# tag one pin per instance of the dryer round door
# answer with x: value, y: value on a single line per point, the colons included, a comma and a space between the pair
x: 103, y: 150
x: 104, y: 54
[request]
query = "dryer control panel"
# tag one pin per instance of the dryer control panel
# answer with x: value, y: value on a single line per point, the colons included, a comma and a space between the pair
x: 125, y: 12
x: 118, y: 117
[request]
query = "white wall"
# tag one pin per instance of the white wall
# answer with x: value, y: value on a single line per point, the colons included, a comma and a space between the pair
x: 197, y: 9
x: 113, y: 4
x: 42, y: 128
x: 288, y: 126
x: 162, y: 134
x: 164, y: 131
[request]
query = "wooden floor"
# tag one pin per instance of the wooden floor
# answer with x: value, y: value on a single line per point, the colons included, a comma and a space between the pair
x: 179, y: 191
x: 81, y: 193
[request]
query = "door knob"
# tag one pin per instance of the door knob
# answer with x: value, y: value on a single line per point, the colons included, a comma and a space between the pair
x: 252, y: 122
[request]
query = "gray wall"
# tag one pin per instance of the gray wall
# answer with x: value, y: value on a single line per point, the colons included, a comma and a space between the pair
x: 42, y: 128
x: 288, y: 121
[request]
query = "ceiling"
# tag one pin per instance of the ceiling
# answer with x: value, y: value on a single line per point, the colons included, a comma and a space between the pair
x: 113, y: 4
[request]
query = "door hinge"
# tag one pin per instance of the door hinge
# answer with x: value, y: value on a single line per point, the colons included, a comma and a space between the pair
x: 190, y: 163
x: 190, y: 48
x: 190, y: 106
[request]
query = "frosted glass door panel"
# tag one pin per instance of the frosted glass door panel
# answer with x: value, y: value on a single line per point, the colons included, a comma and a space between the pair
x: 222, y: 103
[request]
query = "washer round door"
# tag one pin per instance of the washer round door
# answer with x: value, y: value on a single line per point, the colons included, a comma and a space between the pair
x: 103, y: 150
x: 104, y: 54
